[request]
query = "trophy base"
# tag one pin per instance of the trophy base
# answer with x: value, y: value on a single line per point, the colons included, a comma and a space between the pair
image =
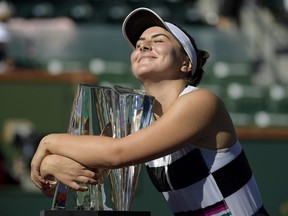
x: 92, y: 213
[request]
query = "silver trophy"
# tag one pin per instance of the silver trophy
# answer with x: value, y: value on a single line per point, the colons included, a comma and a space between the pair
x: 115, y: 112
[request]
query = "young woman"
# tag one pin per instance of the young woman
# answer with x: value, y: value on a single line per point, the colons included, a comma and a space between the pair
x: 191, y: 150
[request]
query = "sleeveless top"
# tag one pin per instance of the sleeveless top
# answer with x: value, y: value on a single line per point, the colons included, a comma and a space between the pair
x: 197, y: 181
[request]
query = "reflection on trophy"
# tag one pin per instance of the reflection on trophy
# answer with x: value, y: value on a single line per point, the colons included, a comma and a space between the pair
x: 114, y: 112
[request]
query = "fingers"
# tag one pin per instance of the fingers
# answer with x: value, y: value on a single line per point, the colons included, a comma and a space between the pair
x: 78, y: 187
x: 86, y: 180
x: 38, y: 180
x: 90, y: 174
x: 83, y: 188
x: 80, y: 184
x: 50, y: 189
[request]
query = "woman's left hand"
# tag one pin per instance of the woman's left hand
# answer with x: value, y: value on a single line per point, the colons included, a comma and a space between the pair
x: 67, y: 171
x: 37, y: 159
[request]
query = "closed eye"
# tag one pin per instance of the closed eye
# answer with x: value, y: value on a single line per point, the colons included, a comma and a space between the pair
x: 157, y: 38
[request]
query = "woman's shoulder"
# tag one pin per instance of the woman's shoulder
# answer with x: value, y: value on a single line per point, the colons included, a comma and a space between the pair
x: 202, y: 103
x: 198, y: 104
x: 201, y: 95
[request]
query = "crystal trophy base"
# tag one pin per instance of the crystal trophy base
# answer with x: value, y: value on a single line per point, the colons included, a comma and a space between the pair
x: 93, y: 213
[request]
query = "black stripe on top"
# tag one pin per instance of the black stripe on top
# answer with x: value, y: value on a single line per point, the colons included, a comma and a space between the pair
x: 183, y: 172
x: 192, y: 168
x: 233, y: 175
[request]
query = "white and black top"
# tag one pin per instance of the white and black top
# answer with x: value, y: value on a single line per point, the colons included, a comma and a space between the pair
x: 197, y: 181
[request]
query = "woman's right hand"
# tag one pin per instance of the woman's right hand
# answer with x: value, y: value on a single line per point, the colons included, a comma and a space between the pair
x: 67, y: 171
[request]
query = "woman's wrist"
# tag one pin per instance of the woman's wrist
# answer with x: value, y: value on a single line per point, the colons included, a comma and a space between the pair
x: 47, y: 143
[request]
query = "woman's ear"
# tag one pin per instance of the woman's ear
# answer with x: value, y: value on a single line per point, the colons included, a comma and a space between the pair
x: 186, y: 66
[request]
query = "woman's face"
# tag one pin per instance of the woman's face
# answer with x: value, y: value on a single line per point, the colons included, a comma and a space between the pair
x: 157, y: 55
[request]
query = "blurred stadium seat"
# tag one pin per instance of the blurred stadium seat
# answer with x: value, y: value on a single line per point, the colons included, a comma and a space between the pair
x: 97, y: 46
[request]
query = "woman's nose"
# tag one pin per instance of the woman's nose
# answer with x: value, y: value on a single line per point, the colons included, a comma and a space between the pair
x: 145, y: 47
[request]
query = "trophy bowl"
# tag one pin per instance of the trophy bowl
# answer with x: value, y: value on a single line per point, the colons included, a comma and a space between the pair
x: 114, y: 112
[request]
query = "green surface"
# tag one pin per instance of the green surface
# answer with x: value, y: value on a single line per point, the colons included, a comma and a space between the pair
x: 46, y: 105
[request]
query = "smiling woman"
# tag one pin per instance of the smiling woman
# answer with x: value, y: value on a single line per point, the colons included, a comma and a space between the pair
x: 191, y: 151
x: 155, y: 53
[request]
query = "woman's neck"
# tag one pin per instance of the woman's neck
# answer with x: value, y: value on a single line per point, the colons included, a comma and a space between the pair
x: 165, y: 93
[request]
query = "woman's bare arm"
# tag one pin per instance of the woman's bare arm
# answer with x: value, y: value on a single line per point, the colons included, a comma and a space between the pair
x: 188, y: 120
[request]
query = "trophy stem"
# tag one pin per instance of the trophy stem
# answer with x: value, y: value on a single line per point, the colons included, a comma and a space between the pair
x: 92, y: 197
x: 60, y: 196
x: 100, y: 197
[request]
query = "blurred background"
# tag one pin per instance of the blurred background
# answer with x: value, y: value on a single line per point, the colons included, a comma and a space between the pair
x: 48, y: 47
